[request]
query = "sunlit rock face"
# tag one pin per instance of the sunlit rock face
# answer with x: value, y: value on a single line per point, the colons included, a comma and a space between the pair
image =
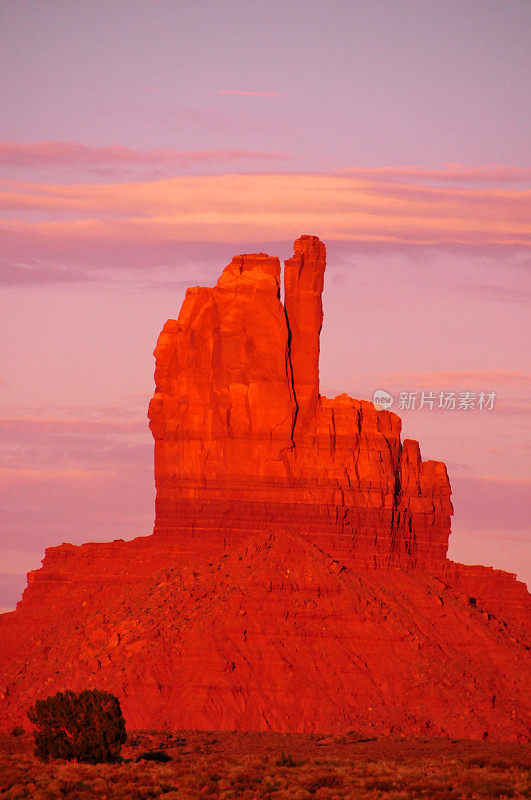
x: 297, y: 578
x: 242, y: 433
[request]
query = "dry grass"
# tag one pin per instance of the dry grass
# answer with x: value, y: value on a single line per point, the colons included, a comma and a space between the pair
x: 208, y: 766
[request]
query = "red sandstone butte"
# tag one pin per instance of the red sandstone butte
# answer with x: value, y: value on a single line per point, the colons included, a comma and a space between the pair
x: 297, y: 577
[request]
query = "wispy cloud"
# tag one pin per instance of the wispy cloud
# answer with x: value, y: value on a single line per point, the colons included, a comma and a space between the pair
x: 70, y: 447
x: 17, y: 474
x: 487, y: 503
x: 269, y: 206
x: 503, y: 294
x: 515, y: 407
x: 111, y: 158
x: 55, y: 232
x: 447, y: 378
x: 97, y: 471
x: 250, y: 94
x: 62, y: 424
x: 448, y: 173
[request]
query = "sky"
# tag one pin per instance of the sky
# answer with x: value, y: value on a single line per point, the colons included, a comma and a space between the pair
x: 143, y: 143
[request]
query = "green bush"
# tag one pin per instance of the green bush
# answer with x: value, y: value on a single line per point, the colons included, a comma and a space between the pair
x: 86, y: 726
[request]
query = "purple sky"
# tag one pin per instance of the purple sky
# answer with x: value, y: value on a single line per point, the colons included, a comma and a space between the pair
x: 144, y: 142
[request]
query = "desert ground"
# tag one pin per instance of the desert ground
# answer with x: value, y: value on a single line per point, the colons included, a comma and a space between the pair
x: 229, y: 765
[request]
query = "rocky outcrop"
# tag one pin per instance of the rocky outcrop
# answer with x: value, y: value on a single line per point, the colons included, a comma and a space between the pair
x: 242, y: 433
x: 266, y: 631
x: 297, y: 577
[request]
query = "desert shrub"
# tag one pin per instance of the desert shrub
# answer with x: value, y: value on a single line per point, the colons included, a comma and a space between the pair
x: 155, y: 755
x: 87, y: 726
x: 18, y: 730
x: 477, y: 761
x: 382, y: 784
x: 244, y: 781
x: 322, y: 782
x: 488, y: 787
x: 287, y: 760
x: 489, y: 761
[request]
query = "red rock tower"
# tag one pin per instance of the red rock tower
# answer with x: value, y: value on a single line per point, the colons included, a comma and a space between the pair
x: 303, y: 287
x: 297, y: 577
x: 242, y: 433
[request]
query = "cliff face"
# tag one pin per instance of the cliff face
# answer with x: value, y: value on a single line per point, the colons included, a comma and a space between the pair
x: 241, y: 431
x: 297, y: 577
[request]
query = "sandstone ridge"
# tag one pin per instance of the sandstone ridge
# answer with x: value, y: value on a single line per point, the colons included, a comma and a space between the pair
x: 297, y: 577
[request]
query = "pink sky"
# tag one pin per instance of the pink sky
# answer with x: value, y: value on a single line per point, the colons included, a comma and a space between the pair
x: 144, y: 142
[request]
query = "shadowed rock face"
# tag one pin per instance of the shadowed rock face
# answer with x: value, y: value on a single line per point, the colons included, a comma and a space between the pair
x: 241, y: 430
x: 297, y: 578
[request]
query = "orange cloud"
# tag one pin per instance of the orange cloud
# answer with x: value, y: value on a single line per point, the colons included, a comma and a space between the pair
x: 503, y: 173
x: 262, y: 207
